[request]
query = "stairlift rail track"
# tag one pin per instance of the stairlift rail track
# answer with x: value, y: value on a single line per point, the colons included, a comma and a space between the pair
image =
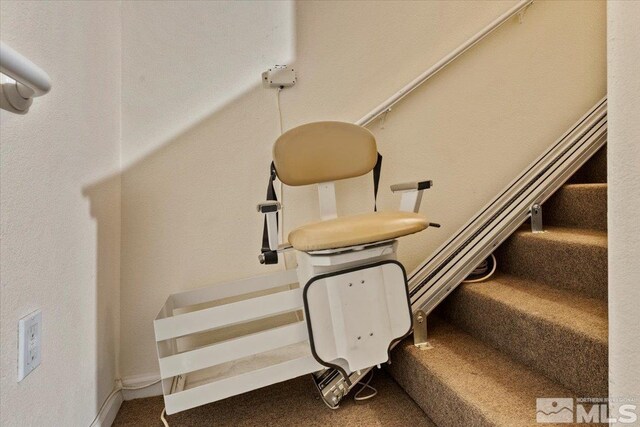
x: 433, y: 280
x: 442, y: 63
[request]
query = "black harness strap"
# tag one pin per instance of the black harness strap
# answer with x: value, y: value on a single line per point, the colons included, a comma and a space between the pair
x: 270, y: 257
x: 376, y: 181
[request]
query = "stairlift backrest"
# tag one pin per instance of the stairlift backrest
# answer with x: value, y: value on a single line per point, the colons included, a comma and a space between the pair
x: 324, y: 151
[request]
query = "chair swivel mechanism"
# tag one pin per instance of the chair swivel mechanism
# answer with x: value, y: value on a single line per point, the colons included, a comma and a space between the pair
x: 356, y: 301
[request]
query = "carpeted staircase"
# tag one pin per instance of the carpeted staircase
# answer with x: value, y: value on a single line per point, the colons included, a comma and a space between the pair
x: 537, y: 329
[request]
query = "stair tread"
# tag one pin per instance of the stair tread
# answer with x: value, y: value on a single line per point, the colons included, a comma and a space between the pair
x: 584, y: 315
x: 494, y: 386
x: 571, y: 235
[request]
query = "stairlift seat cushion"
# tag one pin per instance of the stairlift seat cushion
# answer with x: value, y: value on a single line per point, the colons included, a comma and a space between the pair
x: 356, y: 230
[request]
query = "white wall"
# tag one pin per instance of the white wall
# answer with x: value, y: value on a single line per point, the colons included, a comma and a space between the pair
x: 623, y: 157
x: 194, y: 129
x: 60, y: 225
x: 188, y: 207
x: 183, y: 60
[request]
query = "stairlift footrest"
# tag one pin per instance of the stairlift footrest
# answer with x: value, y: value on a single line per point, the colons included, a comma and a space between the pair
x: 354, y: 315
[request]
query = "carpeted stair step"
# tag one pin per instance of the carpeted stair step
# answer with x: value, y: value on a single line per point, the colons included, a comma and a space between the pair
x: 565, y: 258
x: 462, y: 381
x: 578, y: 206
x: 556, y: 332
x: 594, y: 171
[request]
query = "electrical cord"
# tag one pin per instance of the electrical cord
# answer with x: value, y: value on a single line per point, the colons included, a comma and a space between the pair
x: 365, y: 386
x: 281, y: 187
x: 279, y: 110
x: 481, y: 269
x: 138, y: 387
x: 163, y: 419
x: 118, y: 389
x: 164, y: 410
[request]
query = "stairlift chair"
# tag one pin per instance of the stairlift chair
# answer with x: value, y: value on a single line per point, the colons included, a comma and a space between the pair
x: 355, y: 292
x: 350, y: 288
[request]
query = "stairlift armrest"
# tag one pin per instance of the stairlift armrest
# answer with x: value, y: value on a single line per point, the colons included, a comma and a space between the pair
x: 270, y: 210
x: 411, y: 194
x: 412, y: 186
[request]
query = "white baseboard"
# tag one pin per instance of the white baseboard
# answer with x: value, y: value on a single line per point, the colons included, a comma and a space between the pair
x: 109, y: 410
x: 111, y: 406
x: 139, y: 381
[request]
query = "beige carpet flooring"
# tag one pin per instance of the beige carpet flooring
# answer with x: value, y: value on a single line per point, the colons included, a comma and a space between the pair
x: 292, y: 403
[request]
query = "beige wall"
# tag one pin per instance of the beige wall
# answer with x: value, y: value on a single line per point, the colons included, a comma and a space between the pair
x: 183, y: 60
x: 623, y: 157
x: 188, y: 208
x: 61, y: 213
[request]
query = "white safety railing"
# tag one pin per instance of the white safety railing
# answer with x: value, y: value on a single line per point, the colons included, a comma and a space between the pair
x: 30, y: 81
x: 433, y: 70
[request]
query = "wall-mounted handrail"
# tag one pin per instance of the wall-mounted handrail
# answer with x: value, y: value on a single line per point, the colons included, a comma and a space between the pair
x: 30, y: 81
x: 433, y: 70
x: 24, y: 71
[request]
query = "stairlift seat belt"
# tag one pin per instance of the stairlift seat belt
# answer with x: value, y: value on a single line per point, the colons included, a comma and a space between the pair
x: 376, y: 181
x: 270, y: 257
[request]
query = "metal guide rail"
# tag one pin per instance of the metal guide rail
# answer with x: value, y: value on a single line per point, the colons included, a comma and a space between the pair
x: 444, y: 270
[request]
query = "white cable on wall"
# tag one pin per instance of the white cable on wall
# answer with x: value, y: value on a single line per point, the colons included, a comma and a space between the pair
x: 281, y: 186
x: 279, y: 109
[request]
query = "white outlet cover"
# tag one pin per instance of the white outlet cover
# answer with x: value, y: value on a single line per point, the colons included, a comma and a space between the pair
x: 29, y: 343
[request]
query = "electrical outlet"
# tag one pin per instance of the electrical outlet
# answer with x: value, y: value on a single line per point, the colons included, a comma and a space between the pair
x: 29, y: 340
